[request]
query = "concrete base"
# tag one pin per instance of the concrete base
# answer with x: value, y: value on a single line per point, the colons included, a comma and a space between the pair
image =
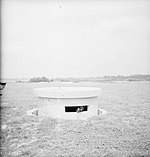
x: 100, y: 112
x: 55, y: 108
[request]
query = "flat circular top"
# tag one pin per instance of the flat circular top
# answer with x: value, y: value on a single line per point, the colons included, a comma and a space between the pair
x: 67, y: 92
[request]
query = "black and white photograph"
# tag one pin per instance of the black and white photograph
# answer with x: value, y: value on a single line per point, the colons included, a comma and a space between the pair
x: 75, y: 78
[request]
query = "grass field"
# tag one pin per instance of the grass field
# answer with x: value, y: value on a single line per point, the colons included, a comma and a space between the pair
x: 123, y: 132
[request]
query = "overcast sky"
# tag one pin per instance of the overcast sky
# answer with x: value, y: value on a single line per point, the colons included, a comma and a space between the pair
x: 75, y: 38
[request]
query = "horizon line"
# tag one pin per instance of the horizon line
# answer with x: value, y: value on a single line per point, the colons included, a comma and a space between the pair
x: 78, y: 76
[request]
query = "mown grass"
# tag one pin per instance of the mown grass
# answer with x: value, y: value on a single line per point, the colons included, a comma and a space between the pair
x: 123, y: 132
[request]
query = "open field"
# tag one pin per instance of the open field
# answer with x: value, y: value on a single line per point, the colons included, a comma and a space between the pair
x: 123, y: 132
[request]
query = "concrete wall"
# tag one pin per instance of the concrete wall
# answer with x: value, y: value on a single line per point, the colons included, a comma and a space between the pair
x: 55, y: 108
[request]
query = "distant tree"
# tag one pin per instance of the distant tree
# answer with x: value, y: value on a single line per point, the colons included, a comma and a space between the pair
x: 39, y: 79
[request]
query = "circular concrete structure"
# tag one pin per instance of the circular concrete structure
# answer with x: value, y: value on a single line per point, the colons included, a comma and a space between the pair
x: 68, y: 102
